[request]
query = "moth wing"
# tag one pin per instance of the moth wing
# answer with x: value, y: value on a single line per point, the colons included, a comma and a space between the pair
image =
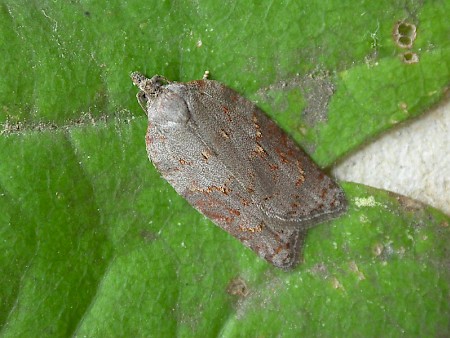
x: 181, y: 153
x: 281, y: 179
x: 229, y: 207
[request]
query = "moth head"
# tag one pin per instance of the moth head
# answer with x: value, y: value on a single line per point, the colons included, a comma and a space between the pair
x: 148, y: 88
x: 161, y: 100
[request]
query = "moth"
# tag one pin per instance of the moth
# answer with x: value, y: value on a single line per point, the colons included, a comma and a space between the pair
x: 236, y: 166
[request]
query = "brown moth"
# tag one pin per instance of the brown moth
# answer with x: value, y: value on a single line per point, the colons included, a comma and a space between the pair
x: 236, y: 166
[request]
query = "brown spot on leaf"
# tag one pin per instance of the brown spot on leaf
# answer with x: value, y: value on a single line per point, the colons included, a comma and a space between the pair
x: 148, y: 236
x: 238, y: 287
x: 404, y: 34
x: 409, y: 204
x: 377, y: 249
x: 410, y: 58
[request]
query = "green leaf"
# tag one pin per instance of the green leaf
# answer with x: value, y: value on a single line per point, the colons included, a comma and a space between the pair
x: 95, y: 243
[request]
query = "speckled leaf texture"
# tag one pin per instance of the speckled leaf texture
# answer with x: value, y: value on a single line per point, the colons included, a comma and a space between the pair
x: 94, y: 243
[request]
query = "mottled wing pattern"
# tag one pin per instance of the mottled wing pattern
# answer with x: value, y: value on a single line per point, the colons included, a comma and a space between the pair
x: 282, y: 180
x: 197, y: 172
x: 234, y: 165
